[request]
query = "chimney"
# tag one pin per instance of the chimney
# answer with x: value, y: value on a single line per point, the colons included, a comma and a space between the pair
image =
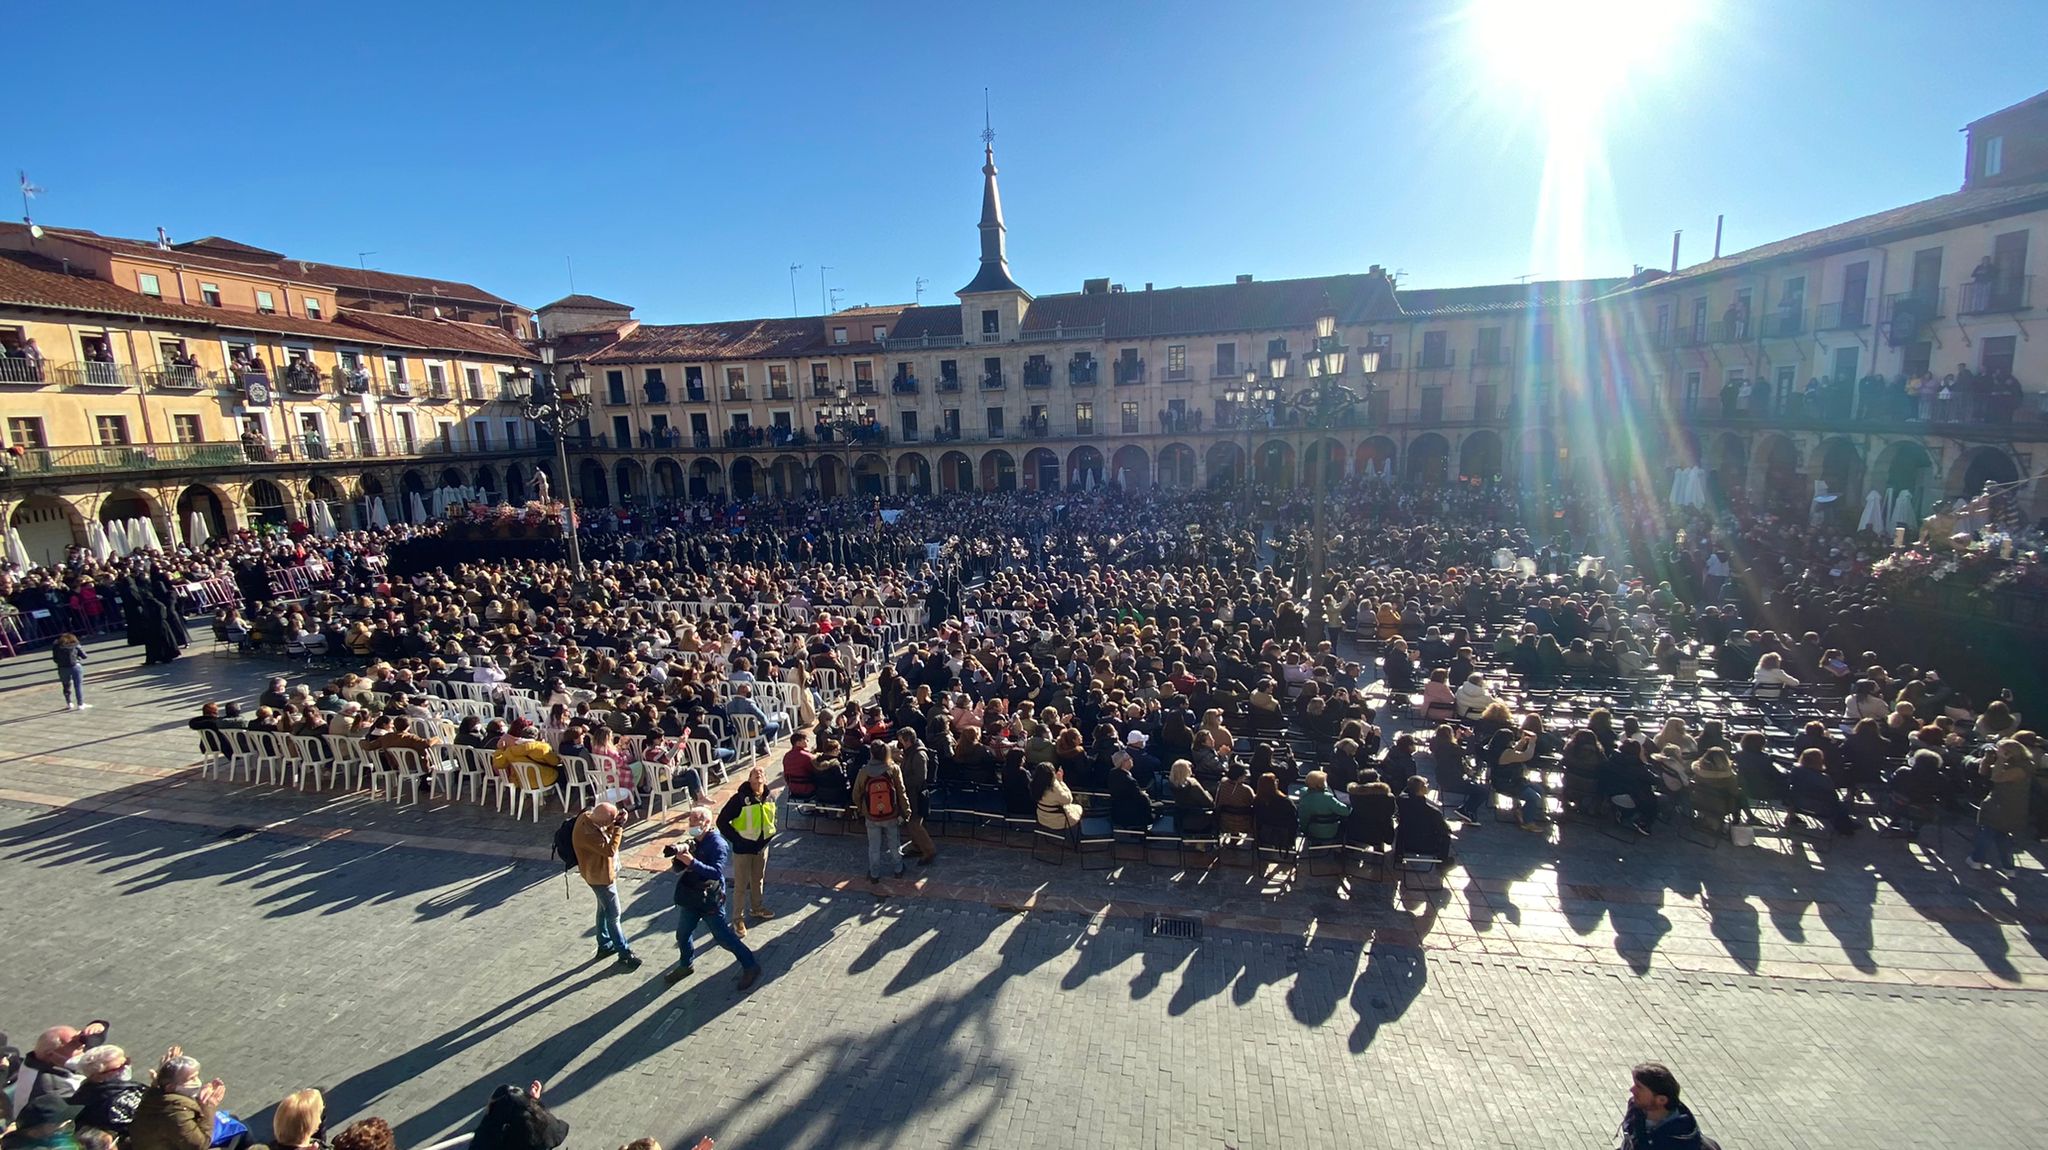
x: 1116, y: 289
x: 1148, y: 285
x: 1674, y: 248
x: 1095, y: 286
x: 1717, y: 234
x: 1244, y: 279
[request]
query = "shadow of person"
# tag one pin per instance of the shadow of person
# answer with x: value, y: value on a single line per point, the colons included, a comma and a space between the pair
x: 1393, y: 979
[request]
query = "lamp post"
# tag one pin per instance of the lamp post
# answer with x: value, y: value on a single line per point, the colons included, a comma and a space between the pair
x: 1325, y: 402
x: 557, y: 404
x: 1247, y: 398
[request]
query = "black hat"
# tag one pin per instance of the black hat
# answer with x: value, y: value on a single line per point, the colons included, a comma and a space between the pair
x: 46, y: 1110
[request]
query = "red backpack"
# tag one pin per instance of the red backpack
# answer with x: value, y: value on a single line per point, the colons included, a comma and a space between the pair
x: 878, y: 798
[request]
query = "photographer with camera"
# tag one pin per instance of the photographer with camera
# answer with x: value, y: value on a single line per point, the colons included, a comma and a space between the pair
x: 700, y: 863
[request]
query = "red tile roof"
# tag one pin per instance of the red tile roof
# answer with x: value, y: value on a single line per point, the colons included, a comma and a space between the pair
x: 580, y: 300
x: 231, y: 256
x: 30, y: 281
x: 786, y: 338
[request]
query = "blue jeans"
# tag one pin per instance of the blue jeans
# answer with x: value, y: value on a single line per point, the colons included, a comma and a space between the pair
x: 610, y: 933
x: 1532, y: 803
x: 1993, y: 847
x: 721, y: 933
x: 885, y: 840
x: 73, y: 679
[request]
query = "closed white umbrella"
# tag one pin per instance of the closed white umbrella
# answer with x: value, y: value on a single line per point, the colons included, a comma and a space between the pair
x: 419, y: 510
x: 97, y: 542
x: 379, y: 519
x: 196, y: 534
x: 1873, y: 512
x: 17, y: 551
x: 150, y: 538
x: 117, y: 538
x: 1904, y: 514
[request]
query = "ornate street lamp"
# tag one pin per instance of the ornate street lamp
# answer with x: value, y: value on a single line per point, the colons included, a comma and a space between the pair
x: 557, y: 405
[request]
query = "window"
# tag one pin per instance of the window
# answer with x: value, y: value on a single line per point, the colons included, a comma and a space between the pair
x: 437, y: 374
x: 394, y: 370
x: 473, y: 382
x: 949, y: 420
x: 881, y: 333
x: 26, y: 432
x: 778, y: 381
x: 512, y: 434
x: 992, y: 371
x: 838, y: 335
x: 187, y: 429
x: 1994, y: 157
x: 1489, y: 343
x: 991, y: 323
x: 615, y: 387
x: 312, y: 307
x: 821, y: 379
x: 1226, y: 360
x: 1128, y: 417
x: 654, y: 385
x: 995, y: 423
x: 1435, y: 349
x: 1177, y: 361
x: 1918, y: 358
x: 949, y: 374
x: 408, y: 438
x: 266, y: 303
x: 1084, y: 419
x: 736, y: 383
x: 209, y: 294
x: 864, y: 376
x: 909, y: 422
x: 622, y: 431
x: 112, y: 429
x: 1276, y: 351
x: 445, y: 430
x: 1845, y: 363
x: 693, y: 384
x: 147, y: 284
x: 480, y: 435
x: 1997, y: 356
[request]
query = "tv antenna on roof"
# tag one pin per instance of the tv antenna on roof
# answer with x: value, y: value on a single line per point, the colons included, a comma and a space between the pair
x: 836, y: 293
x: 28, y: 192
x: 362, y: 260
x: 823, y: 304
x: 921, y: 281
x: 793, y: 308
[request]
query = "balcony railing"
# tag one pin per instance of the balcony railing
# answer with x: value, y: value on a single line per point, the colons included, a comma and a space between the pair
x: 1996, y: 295
x: 1739, y: 329
x: 1062, y: 331
x: 305, y: 381
x: 1081, y: 373
x: 1481, y: 357
x: 18, y: 369
x: 949, y: 383
x: 1926, y: 304
x: 176, y: 378
x: 400, y: 386
x: 1176, y: 375
x: 738, y: 394
x: 351, y: 381
x: 60, y: 461
x: 91, y: 374
x: 655, y: 392
x: 991, y: 381
x: 1038, y: 374
x: 864, y: 387
x: 438, y: 389
x: 1226, y: 371
x: 1785, y: 323
x: 1437, y: 360
x: 1843, y: 315
x: 1129, y: 372
x: 778, y: 391
x: 903, y: 385
x: 694, y: 394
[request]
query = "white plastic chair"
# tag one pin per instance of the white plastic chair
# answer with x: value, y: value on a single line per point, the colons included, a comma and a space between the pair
x: 395, y: 770
x: 273, y: 762
x: 576, y: 781
x: 314, y: 761
x: 524, y: 790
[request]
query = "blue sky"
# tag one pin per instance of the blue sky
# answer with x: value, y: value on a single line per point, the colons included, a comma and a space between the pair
x: 684, y: 155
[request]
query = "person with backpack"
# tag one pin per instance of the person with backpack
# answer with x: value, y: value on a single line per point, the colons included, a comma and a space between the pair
x: 70, y: 659
x: 593, y: 839
x: 700, y: 863
x: 880, y: 799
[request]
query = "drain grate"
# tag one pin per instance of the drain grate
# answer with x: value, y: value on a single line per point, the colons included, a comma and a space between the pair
x: 1167, y: 926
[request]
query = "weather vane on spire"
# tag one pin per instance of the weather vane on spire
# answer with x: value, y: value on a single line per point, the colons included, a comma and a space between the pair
x: 988, y: 131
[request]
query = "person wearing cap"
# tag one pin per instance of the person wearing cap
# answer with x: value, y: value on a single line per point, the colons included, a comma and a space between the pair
x: 1144, y: 767
x: 108, y: 1099
x: 47, y: 1069
x: 44, y: 1124
x: 1130, y: 808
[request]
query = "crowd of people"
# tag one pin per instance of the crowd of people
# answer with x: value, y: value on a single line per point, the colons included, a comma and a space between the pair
x: 75, y: 1090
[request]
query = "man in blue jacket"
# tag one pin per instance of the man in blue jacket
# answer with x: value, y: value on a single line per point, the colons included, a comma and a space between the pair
x: 701, y: 862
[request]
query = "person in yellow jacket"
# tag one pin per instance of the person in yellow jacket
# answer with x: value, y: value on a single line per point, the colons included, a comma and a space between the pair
x: 748, y: 824
x: 528, y: 761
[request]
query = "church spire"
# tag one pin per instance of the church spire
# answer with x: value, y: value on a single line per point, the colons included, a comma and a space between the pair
x: 995, y: 264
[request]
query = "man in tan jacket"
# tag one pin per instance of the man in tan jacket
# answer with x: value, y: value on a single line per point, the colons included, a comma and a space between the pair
x: 598, y: 834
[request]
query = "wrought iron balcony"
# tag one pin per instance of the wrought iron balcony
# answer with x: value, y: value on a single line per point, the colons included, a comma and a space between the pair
x: 1436, y: 360
x: 1785, y: 323
x: 1843, y: 315
x: 1996, y: 295
x: 178, y: 378
x: 991, y: 381
x: 98, y: 375
x: 1038, y: 374
x: 1129, y: 372
x: 15, y: 369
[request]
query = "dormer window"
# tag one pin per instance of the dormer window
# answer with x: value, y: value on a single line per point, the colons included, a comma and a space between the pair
x: 312, y: 307
x: 148, y: 285
x: 881, y: 333
x: 838, y: 335
x: 266, y: 304
x: 209, y: 294
x: 991, y: 322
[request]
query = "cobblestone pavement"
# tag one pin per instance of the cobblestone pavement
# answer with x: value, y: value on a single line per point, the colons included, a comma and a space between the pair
x: 409, y: 959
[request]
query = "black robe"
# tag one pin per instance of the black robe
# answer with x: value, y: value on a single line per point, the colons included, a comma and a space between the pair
x: 160, y: 587
x: 159, y: 643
